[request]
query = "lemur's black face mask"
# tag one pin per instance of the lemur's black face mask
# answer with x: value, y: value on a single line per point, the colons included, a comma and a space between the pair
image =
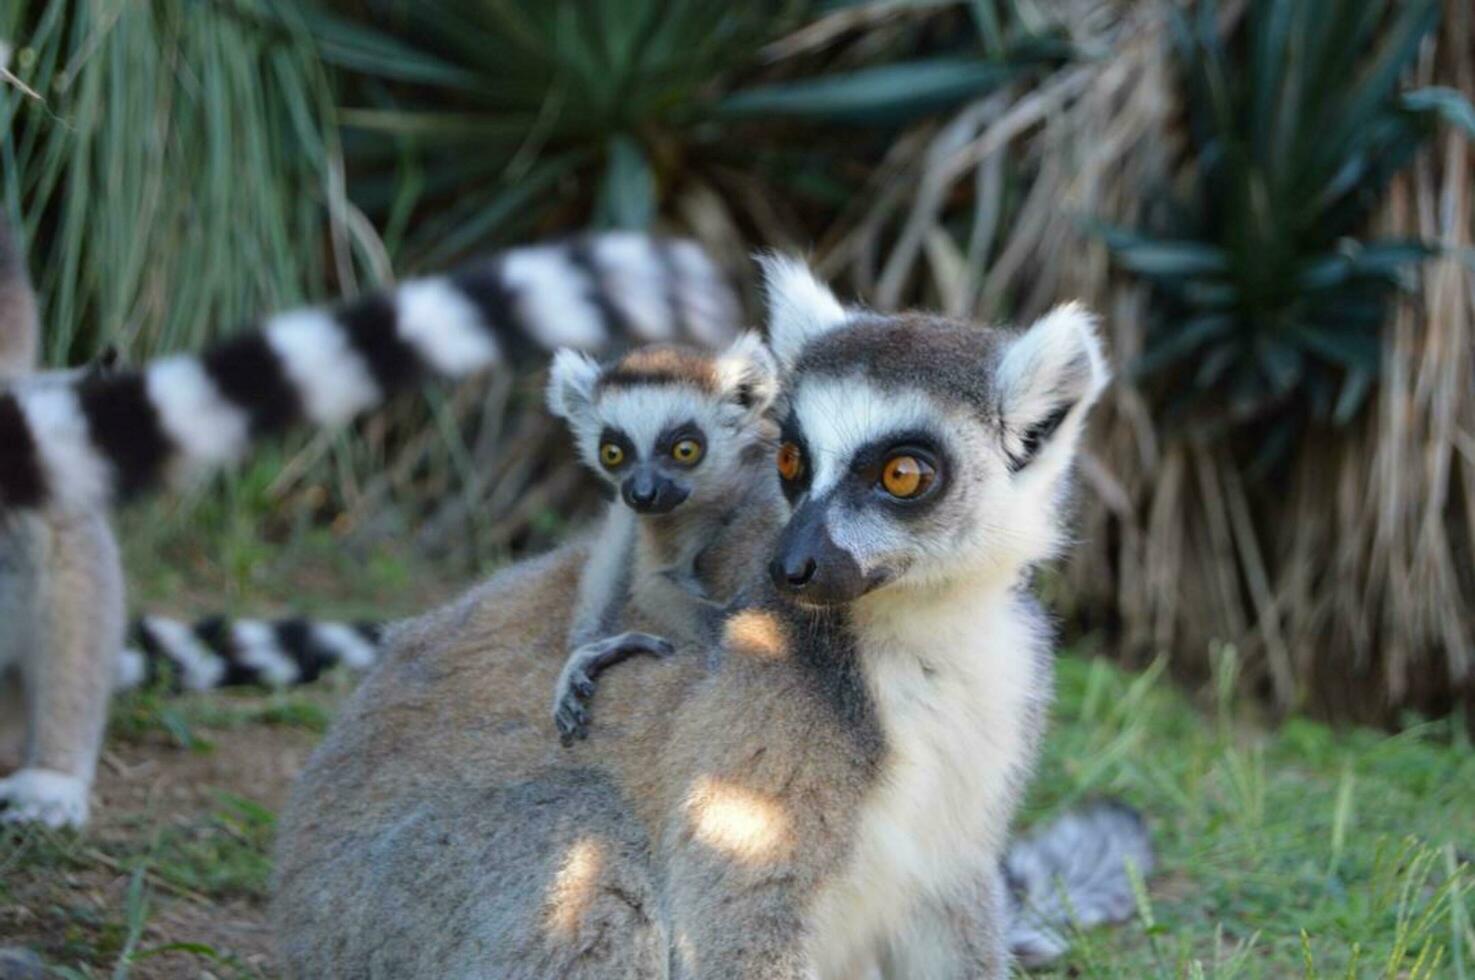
x: 812, y: 568
x: 889, y: 485
x: 661, y: 481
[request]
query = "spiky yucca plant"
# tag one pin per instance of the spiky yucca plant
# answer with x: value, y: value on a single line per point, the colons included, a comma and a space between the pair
x: 490, y: 121
x: 1298, y: 497
x: 486, y: 120
x: 1270, y: 294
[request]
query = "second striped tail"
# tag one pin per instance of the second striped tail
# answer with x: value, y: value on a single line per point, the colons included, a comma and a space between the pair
x: 220, y: 652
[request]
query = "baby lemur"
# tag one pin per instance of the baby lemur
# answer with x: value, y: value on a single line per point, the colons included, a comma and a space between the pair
x: 683, y: 441
x: 824, y: 792
x: 73, y: 442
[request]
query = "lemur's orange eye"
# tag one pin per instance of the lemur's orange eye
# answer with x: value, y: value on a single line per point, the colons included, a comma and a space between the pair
x: 687, y: 452
x: 790, y: 462
x: 905, y: 477
x: 611, y: 455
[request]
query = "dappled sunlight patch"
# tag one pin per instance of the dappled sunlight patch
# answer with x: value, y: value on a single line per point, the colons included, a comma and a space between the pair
x: 574, y: 887
x: 741, y: 823
x: 686, y: 951
x: 757, y: 634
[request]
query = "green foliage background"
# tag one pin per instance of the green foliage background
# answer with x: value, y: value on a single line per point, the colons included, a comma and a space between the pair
x: 179, y: 167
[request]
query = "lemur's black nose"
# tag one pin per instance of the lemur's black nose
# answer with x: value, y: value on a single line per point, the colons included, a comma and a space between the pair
x: 811, y: 567
x: 640, y: 497
x: 647, y: 492
x: 794, y: 572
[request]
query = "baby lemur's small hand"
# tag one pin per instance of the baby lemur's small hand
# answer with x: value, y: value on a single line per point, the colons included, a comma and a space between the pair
x: 576, y: 684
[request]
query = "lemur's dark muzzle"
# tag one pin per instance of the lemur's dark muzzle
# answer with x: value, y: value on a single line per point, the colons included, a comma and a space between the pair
x: 811, y: 567
x: 648, y: 492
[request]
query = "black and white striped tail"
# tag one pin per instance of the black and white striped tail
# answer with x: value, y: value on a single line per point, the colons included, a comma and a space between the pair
x: 1073, y: 875
x: 87, y: 442
x: 217, y: 652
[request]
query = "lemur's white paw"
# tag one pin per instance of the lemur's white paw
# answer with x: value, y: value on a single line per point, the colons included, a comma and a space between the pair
x: 44, y: 796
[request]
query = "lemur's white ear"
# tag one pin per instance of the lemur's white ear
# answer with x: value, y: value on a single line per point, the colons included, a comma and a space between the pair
x: 571, y: 383
x: 800, y: 307
x: 748, y: 373
x: 1048, y: 379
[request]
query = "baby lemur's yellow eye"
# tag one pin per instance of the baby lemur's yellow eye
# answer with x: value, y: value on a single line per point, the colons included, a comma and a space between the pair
x: 611, y: 455
x: 687, y: 452
x: 790, y: 462
x: 906, y: 476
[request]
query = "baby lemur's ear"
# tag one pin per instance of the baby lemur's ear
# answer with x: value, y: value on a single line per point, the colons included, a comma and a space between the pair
x: 800, y: 307
x: 1048, y: 379
x: 571, y: 382
x: 748, y: 374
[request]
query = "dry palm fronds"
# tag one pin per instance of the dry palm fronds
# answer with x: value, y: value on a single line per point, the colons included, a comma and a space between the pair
x: 1349, y: 588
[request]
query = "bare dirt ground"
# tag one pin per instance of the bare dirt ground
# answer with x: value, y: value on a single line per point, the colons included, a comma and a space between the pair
x: 170, y: 879
x: 171, y: 876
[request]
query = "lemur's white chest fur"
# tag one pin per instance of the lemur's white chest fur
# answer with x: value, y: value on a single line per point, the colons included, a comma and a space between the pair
x: 957, y: 684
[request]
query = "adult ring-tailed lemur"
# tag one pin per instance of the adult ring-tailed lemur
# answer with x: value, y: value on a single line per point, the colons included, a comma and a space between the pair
x: 821, y: 784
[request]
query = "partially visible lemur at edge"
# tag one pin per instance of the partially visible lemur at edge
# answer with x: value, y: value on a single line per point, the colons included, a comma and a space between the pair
x: 824, y: 792
x: 71, y: 442
x: 61, y: 604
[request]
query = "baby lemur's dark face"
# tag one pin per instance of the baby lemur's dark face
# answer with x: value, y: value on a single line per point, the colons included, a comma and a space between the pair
x: 666, y: 426
x: 655, y: 478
